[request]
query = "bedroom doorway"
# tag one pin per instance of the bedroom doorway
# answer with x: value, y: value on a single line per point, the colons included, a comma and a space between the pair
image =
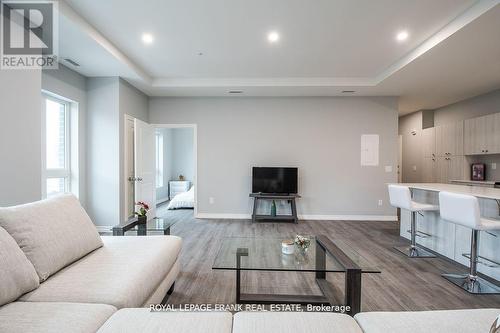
x: 175, y: 155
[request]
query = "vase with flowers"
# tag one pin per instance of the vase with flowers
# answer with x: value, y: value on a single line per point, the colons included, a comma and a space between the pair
x: 302, y: 243
x: 142, y: 212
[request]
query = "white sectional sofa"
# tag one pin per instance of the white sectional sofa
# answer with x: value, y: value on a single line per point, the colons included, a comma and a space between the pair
x: 58, y: 275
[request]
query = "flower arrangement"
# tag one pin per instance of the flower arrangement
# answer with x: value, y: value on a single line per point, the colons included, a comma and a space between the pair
x: 143, y: 209
x: 302, y: 242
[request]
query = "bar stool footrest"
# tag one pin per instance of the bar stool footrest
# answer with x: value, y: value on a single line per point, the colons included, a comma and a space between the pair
x: 420, y: 234
x: 477, y: 286
x: 483, y: 261
x: 416, y: 252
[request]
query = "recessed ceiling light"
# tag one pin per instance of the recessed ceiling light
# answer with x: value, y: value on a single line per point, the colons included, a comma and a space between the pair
x: 273, y: 37
x: 147, y: 38
x: 235, y: 92
x: 348, y: 91
x: 402, y: 35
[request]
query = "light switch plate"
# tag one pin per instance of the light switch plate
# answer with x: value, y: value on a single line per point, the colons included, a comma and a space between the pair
x: 414, y: 168
x: 388, y: 168
x: 493, y: 166
x: 211, y: 200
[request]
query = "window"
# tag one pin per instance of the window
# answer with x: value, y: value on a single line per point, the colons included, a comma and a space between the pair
x: 57, y: 162
x: 159, y: 160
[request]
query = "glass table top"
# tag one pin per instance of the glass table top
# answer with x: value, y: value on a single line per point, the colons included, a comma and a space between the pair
x: 265, y: 254
x: 156, y: 224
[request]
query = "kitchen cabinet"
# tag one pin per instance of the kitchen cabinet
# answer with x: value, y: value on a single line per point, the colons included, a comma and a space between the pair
x: 451, y: 168
x: 429, y: 142
x: 450, y: 139
x: 429, y: 170
x: 482, y: 135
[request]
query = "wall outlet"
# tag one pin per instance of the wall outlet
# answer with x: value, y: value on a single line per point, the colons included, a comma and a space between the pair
x: 380, y: 203
x: 211, y: 200
x: 388, y: 168
x: 493, y: 166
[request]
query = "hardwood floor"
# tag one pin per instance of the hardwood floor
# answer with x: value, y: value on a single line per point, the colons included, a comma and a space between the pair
x: 404, y: 284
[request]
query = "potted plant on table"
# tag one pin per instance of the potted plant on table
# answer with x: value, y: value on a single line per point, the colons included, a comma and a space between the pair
x: 142, y: 212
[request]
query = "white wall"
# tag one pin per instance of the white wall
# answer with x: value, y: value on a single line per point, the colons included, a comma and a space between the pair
x: 103, y: 146
x: 183, y: 153
x: 20, y: 148
x: 71, y: 85
x: 321, y: 136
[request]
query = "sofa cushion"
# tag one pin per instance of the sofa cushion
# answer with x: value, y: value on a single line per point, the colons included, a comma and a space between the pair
x: 125, y: 272
x: 17, y: 274
x: 53, y: 233
x: 285, y: 322
x: 30, y: 317
x: 453, y: 321
x: 142, y: 320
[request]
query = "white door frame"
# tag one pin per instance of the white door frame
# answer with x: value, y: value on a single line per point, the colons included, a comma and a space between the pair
x: 125, y: 160
x: 400, y: 158
x: 195, y: 152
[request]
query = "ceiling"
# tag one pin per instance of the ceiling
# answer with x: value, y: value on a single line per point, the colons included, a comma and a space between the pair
x: 206, y: 48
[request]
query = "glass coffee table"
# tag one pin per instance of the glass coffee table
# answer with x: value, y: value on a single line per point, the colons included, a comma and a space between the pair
x: 322, y: 257
x: 154, y: 225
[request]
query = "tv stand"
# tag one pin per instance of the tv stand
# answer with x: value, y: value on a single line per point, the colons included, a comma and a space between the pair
x: 275, y: 196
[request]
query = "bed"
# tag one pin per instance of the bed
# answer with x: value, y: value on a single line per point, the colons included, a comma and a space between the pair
x: 183, y: 200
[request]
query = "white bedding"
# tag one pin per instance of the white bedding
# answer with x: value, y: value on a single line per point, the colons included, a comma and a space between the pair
x: 183, y: 200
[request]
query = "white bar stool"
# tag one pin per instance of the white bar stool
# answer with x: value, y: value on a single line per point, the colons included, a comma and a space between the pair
x: 464, y: 210
x: 400, y: 197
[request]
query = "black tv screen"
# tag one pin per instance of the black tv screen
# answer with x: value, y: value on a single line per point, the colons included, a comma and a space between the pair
x: 274, y: 180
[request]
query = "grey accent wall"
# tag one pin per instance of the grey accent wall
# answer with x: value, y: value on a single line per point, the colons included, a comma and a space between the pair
x: 20, y: 110
x: 71, y: 85
x: 412, y: 146
x: 321, y: 136
x: 470, y: 108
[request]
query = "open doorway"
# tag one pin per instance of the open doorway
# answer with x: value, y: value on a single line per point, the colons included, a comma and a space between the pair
x: 175, y: 150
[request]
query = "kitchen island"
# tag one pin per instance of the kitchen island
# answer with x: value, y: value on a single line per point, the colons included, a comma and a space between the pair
x: 449, y: 239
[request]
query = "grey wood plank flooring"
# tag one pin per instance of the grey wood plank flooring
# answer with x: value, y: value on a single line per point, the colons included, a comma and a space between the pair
x: 405, y: 284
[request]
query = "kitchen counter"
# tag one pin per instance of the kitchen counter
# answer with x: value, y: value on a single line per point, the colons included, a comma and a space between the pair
x: 485, y: 183
x: 477, y: 191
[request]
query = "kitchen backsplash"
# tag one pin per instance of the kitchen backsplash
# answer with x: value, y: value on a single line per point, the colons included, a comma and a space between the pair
x: 488, y: 160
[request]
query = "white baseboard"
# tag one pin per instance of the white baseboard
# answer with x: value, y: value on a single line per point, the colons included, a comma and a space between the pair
x: 104, y: 228
x: 223, y: 216
x: 304, y: 217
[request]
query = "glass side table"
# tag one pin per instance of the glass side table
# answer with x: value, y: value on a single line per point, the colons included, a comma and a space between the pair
x: 153, y: 225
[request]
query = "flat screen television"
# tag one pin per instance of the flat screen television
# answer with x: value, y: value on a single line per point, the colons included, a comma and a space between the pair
x: 274, y: 180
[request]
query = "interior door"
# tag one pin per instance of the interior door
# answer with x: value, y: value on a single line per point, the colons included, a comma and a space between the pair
x: 145, y: 184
